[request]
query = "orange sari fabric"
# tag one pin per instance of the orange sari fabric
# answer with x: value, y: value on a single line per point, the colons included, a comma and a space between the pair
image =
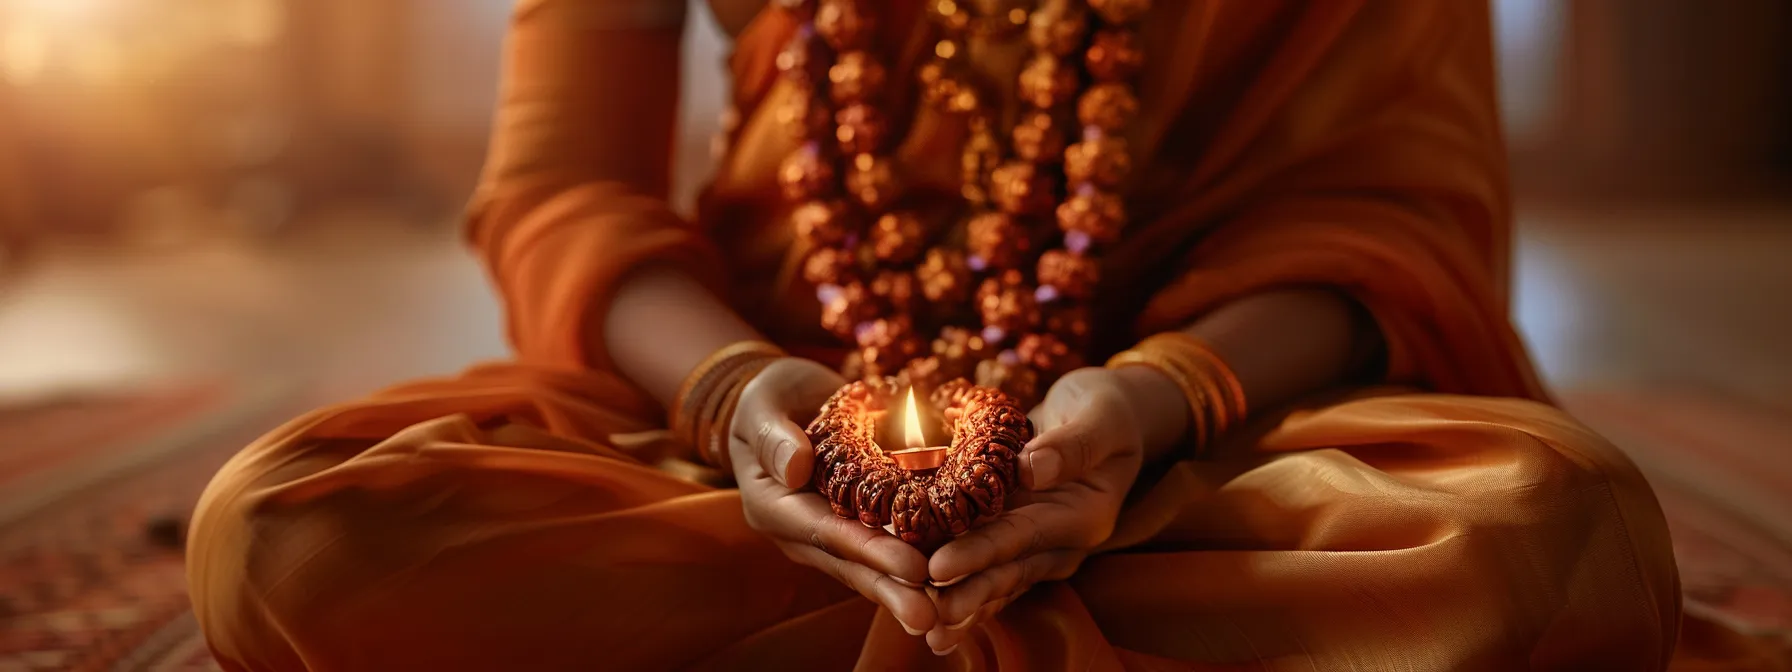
x: 498, y: 520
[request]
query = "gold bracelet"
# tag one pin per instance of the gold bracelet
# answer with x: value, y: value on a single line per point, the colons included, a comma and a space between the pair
x: 1195, y: 397
x: 704, y: 391
x: 715, y: 449
x: 1215, y: 396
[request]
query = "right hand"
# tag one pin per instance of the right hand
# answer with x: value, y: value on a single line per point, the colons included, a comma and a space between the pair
x: 773, y: 460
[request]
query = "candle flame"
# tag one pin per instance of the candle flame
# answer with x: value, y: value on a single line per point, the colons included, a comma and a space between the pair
x: 912, y: 436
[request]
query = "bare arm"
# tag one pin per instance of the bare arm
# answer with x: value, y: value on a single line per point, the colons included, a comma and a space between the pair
x: 1281, y: 345
x: 662, y: 324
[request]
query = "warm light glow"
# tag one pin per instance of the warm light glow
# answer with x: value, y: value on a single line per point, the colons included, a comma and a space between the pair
x: 23, y: 51
x: 253, y: 23
x: 911, y: 431
x: 62, y: 11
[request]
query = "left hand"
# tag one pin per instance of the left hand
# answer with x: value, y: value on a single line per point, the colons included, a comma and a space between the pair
x: 1075, y: 475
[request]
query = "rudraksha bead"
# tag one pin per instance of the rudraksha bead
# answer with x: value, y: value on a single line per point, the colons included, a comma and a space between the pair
x: 830, y: 266
x: 945, y: 278
x: 1069, y: 275
x: 1103, y: 161
x: 981, y: 155
x: 807, y: 173
x: 856, y: 77
x: 1114, y: 55
x: 861, y: 128
x: 884, y: 331
x: 823, y: 223
x: 960, y: 349
x: 1108, y: 106
x: 1021, y: 188
x: 1046, y: 354
x: 995, y: 240
x: 898, y: 237
x: 1057, y: 27
x: 1006, y: 304
x: 871, y: 180
x: 1047, y: 82
x: 1096, y: 216
x: 851, y: 306
x: 846, y: 24
x: 1039, y: 137
x: 896, y: 289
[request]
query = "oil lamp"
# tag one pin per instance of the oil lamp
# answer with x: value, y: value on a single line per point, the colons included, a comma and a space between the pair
x: 923, y: 494
x: 917, y: 456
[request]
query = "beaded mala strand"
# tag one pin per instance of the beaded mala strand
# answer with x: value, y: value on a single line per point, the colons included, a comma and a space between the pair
x: 1030, y: 311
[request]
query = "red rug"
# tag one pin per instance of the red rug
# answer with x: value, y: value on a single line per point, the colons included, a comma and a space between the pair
x: 1721, y: 469
x: 85, y: 584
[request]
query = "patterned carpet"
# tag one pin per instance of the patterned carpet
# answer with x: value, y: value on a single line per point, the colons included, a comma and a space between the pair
x: 95, y: 491
x: 91, y: 572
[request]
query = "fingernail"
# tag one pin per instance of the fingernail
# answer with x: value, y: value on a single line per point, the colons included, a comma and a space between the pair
x: 946, y: 583
x: 786, y: 450
x: 910, y: 630
x: 1046, y: 464
x: 964, y: 623
x: 947, y: 652
x: 904, y: 582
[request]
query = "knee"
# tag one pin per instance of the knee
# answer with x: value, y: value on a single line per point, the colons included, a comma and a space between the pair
x: 1584, y: 507
x: 225, y: 551
x: 271, y: 546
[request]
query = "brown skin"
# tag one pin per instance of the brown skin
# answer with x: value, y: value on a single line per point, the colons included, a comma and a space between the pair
x: 1098, y: 428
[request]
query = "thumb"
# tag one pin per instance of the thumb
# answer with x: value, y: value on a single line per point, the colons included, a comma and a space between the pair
x: 1060, y: 455
x: 774, y: 444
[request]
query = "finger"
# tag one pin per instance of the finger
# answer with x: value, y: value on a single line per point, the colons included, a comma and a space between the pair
x: 910, y: 606
x: 1059, y: 455
x: 805, y: 518
x: 960, y: 606
x: 1023, y: 531
x: 946, y: 637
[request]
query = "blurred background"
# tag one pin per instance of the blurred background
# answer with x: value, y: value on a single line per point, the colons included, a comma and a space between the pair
x: 215, y: 214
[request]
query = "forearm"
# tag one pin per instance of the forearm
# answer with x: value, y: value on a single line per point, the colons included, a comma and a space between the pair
x: 1281, y: 345
x: 662, y: 324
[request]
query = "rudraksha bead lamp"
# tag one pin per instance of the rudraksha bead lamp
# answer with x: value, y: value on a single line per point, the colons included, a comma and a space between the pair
x: 923, y: 494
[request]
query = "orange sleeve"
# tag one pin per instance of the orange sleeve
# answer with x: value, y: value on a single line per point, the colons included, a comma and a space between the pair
x: 1365, y: 154
x: 573, y: 195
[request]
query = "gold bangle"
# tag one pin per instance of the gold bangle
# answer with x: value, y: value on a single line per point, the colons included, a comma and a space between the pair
x: 716, y: 409
x: 1215, y: 395
x: 1192, y: 395
x: 715, y: 449
x: 705, y: 388
x: 1222, y: 374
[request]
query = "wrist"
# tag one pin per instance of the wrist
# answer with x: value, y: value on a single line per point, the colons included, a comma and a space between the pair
x: 1159, y: 408
x: 1210, y: 394
x: 703, y: 408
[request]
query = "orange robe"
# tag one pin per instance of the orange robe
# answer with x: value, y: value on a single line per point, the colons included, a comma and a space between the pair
x: 1451, y: 519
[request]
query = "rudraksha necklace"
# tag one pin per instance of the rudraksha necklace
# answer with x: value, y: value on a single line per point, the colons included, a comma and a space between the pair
x: 1006, y: 315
